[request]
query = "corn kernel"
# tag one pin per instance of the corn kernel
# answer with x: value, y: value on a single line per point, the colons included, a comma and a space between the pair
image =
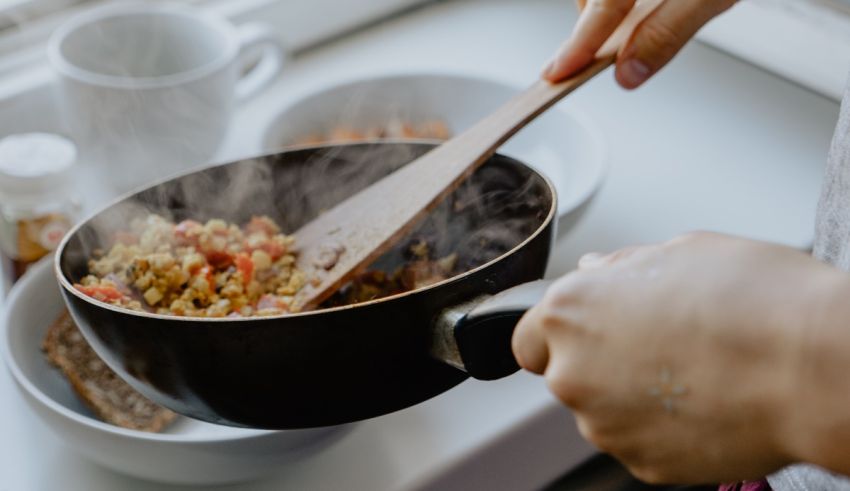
x: 152, y: 296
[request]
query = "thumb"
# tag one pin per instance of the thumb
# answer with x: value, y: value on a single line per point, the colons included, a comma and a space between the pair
x: 661, y: 35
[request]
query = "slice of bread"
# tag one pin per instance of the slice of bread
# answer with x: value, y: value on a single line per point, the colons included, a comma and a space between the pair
x: 111, y: 399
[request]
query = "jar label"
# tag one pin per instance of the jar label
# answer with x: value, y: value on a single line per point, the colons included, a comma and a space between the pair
x: 51, y: 234
x: 23, y: 242
x: 38, y: 236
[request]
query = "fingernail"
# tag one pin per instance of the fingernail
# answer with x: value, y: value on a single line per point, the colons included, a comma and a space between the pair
x: 634, y: 72
x: 590, y: 260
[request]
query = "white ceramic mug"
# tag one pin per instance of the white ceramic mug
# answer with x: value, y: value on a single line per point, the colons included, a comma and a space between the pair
x: 147, y: 89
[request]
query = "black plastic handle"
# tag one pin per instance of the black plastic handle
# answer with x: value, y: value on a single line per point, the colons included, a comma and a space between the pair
x: 483, y: 335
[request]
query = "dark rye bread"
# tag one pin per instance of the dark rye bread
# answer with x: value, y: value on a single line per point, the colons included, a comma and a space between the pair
x: 111, y: 399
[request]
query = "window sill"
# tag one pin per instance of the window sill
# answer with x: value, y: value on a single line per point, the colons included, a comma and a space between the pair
x: 796, y: 39
x: 802, y: 40
x: 301, y: 24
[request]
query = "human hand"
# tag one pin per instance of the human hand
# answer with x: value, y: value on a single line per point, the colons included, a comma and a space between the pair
x: 654, y: 42
x: 682, y: 359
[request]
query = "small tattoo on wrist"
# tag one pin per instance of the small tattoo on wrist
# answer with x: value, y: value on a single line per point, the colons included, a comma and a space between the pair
x: 667, y: 392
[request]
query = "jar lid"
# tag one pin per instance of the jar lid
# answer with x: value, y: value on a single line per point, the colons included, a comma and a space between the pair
x: 35, y: 163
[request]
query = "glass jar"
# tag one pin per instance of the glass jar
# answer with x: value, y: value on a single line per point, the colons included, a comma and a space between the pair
x: 38, y: 202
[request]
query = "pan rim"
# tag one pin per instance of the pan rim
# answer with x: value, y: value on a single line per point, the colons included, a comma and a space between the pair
x: 69, y: 288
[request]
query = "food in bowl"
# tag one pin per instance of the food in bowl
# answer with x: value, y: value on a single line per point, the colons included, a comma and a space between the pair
x: 215, y: 269
x: 393, y: 129
x: 186, y: 452
x: 111, y: 399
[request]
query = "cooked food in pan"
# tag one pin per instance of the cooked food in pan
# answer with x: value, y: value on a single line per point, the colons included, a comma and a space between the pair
x: 420, y: 269
x: 110, y: 398
x: 218, y: 269
x: 215, y: 269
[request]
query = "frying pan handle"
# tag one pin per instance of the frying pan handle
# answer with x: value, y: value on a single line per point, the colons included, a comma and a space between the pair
x: 483, y: 335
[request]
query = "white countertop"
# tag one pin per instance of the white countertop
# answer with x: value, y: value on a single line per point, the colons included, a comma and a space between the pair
x: 712, y: 143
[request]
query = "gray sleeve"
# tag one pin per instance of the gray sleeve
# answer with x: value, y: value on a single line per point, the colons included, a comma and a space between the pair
x: 807, y: 478
x: 832, y: 244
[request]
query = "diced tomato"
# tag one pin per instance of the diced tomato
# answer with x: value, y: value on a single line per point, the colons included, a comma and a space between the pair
x: 187, y: 231
x: 261, y: 224
x: 273, y: 249
x: 245, y: 265
x: 219, y: 259
x: 101, y: 292
x: 269, y: 301
x: 193, y: 270
x: 126, y: 238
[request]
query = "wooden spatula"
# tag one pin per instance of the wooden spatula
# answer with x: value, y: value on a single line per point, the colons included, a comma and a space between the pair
x: 344, y: 240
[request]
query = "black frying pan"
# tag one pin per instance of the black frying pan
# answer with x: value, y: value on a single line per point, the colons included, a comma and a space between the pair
x: 340, y: 364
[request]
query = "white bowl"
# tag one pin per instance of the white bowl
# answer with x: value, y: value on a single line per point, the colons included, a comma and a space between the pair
x: 562, y: 143
x: 189, y: 452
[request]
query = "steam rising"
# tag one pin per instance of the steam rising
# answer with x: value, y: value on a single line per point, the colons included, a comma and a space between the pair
x: 488, y: 215
x: 143, y: 135
x: 137, y: 97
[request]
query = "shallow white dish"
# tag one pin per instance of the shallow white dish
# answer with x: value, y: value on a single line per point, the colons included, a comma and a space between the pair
x: 189, y: 452
x: 562, y: 143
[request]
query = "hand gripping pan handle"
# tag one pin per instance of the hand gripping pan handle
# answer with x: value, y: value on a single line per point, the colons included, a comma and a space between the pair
x: 476, y: 336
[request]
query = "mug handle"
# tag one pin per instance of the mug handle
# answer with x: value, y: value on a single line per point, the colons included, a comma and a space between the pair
x: 270, y: 63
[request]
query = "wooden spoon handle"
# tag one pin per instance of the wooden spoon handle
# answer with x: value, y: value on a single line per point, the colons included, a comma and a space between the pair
x: 480, y: 141
x: 339, y: 243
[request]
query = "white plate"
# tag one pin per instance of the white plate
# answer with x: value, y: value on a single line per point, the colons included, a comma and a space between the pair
x: 189, y: 452
x: 562, y: 143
